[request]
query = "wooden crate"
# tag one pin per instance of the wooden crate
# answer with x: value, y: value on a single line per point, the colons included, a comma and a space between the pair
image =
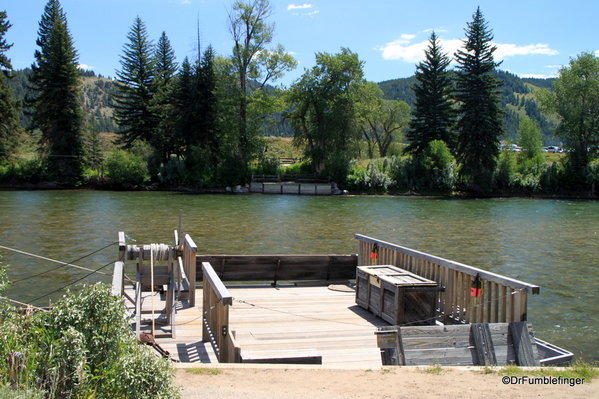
x: 396, y: 295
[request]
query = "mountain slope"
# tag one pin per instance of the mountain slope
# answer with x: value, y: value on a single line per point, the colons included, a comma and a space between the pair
x: 517, y: 100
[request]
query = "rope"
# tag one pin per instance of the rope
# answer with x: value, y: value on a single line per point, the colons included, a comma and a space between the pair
x: 24, y: 304
x: 57, y: 261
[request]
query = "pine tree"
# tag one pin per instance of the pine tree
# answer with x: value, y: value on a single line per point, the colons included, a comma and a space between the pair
x: 433, y: 117
x: 57, y: 110
x: 135, y: 87
x: 162, y: 139
x: 479, y: 124
x: 10, y: 126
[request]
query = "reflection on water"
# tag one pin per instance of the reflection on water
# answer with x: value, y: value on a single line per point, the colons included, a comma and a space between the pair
x: 550, y: 243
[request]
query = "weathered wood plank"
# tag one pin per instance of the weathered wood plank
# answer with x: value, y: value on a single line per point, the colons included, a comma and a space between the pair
x: 483, y: 342
x: 523, y: 344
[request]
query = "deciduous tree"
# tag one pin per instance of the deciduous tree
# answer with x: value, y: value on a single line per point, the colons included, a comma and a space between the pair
x: 324, y: 115
x: 252, y: 60
x: 381, y: 121
x: 575, y: 99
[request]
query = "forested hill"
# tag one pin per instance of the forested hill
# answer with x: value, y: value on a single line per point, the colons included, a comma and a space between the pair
x: 95, y: 96
x: 517, y: 100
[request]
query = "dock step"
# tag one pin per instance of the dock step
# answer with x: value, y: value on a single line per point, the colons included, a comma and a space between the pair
x: 291, y: 356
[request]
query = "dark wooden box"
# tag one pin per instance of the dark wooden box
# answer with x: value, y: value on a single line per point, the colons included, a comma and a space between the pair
x: 396, y: 295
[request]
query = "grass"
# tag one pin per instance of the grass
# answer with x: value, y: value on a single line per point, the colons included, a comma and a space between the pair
x: 434, y: 369
x: 204, y: 371
x: 578, y: 369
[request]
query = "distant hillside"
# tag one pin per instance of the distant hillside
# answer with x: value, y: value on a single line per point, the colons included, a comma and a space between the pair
x: 95, y: 97
x: 517, y: 100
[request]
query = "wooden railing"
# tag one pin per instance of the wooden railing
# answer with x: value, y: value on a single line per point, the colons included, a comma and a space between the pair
x: 503, y: 299
x: 216, y: 302
x: 277, y: 268
x: 187, y: 266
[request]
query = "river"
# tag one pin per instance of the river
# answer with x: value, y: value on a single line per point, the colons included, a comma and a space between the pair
x: 549, y: 243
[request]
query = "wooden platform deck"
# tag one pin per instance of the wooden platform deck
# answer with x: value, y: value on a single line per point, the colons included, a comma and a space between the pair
x: 281, y: 321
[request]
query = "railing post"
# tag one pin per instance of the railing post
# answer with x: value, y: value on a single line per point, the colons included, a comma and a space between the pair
x: 189, y: 259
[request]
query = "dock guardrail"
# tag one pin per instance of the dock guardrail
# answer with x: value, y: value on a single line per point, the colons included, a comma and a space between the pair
x: 501, y: 299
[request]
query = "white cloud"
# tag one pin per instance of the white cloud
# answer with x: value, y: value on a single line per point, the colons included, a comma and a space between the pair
x: 403, y: 49
x: 294, y: 7
x: 509, y: 50
x: 86, y: 67
x: 537, y: 76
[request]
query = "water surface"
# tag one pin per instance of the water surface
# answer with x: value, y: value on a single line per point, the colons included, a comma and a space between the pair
x: 550, y: 243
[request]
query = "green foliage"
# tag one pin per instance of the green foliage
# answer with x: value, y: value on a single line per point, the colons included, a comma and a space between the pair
x: 381, y: 121
x: 324, y: 115
x: 126, y: 170
x: 57, y: 110
x: 575, y: 99
x: 433, y: 117
x: 301, y: 168
x: 479, y: 124
x: 10, y: 127
x: 135, y: 88
x: 433, y: 170
x: 506, y: 169
x: 23, y: 171
x: 83, y: 348
x: 370, y: 179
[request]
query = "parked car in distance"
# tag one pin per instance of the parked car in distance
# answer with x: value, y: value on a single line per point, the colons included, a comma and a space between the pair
x: 553, y: 149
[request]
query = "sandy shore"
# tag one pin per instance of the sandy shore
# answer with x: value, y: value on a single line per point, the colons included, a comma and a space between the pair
x: 403, y: 382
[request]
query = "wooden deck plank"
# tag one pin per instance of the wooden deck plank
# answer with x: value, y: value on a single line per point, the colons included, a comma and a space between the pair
x: 284, y: 318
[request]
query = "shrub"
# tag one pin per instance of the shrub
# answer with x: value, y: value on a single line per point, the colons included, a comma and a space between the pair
x: 173, y: 172
x: 369, y: 179
x: 434, y: 170
x: 23, y: 171
x: 85, y: 348
x: 126, y: 170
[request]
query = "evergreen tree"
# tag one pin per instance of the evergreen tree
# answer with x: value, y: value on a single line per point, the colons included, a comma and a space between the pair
x: 479, y: 125
x: 10, y: 126
x: 162, y: 139
x: 57, y: 110
x: 433, y: 117
x: 135, y: 87
x: 209, y: 137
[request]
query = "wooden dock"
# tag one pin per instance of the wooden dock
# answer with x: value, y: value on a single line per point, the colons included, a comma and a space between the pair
x: 309, y: 319
x: 281, y: 322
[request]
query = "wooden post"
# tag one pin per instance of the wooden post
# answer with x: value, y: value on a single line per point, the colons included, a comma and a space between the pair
x: 189, y: 257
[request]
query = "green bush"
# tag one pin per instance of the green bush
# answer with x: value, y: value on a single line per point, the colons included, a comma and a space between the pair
x: 370, y: 179
x: 23, y: 171
x: 83, y: 348
x: 126, y: 170
x: 199, y: 169
x: 434, y: 170
x: 172, y: 173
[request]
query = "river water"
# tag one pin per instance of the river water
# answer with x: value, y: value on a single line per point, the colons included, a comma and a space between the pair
x: 549, y: 243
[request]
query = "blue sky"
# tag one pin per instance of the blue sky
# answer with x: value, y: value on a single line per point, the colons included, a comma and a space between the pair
x: 534, y: 38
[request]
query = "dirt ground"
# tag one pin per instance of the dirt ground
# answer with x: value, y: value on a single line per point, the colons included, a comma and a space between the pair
x: 278, y: 382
